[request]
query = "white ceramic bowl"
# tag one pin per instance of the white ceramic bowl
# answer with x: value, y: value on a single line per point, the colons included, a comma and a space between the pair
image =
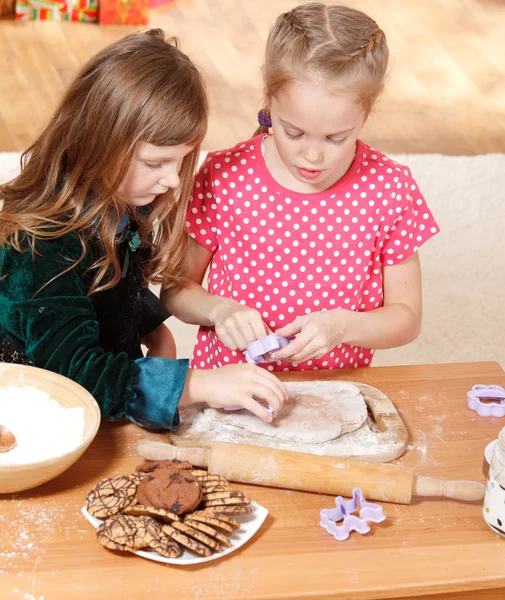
x: 15, y: 478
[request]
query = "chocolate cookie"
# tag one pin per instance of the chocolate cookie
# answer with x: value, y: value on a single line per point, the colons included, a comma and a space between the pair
x: 171, y: 489
x: 150, y: 465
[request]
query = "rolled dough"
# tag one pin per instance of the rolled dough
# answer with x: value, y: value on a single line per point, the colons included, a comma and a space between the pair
x: 315, y: 412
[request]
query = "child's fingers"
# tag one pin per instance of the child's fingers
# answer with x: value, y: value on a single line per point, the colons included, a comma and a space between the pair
x: 255, y: 331
x: 311, y: 350
x: 256, y: 408
x: 248, y: 327
x: 293, y: 348
x: 235, y: 335
x: 242, y: 338
x: 227, y: 339
x: 290, y: 329
x: 279, y: 385
x: 258, y: 328
x: 278, y: 393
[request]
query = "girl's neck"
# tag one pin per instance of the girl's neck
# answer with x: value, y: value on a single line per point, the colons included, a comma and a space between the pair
x: 284, y: 178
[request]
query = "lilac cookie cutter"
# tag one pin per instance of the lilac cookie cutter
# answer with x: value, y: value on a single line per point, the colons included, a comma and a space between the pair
x: 268, y: 408
x: 368, y: 512
x: 256, y: 352
x: 491, y: 409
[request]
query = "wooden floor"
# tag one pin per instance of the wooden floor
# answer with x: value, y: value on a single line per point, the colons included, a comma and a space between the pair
x: 445, y: 93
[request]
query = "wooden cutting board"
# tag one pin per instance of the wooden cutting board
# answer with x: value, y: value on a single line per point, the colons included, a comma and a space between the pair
x: 382, y: 438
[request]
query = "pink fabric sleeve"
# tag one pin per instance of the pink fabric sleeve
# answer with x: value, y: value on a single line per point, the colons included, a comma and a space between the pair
x: 202, y: 215
x: 412, y: 222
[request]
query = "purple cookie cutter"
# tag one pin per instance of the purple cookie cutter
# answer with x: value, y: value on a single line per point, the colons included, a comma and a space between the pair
x: 368, y: 512
x: 256, y: 352
x: 487, y: 409
x: 269, y: 409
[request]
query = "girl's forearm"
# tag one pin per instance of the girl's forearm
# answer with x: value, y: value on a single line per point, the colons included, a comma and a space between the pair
x: 190, y: 303
x: 194, y: 388
x: 387, y: 327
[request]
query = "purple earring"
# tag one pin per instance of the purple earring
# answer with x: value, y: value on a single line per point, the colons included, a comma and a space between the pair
x: 264, y: 119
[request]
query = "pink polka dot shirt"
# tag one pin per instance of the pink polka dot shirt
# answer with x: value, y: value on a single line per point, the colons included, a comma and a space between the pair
x: 288, y: 254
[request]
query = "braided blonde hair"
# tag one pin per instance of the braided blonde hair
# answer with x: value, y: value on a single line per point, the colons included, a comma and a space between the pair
x: 341, y: 45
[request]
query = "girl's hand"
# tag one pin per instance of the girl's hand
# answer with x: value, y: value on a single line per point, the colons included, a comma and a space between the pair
x: 238, y: 385
x: 237, y: 325
x: 318, y: 333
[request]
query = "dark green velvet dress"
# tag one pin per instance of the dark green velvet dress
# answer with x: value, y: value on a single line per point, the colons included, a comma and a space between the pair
x: 95, y: 341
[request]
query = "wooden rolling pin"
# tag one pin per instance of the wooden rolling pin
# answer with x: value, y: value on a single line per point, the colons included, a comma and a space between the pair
x: 312, y: 473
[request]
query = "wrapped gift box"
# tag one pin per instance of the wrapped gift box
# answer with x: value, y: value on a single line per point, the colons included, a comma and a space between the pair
x: 57, y: 10
x: 7, y: 7
x: 123, y: 12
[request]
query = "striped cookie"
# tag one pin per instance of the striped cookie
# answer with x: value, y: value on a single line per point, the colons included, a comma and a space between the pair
x: 235, y: 500
x: 186, y: 541
x: 111, y: 496
x: 199, y: 536
x: 126, y: 484
x: 228, y: 510
x: 212, y: 520
x: 153, y: 527
x: 124, y: 532
x: 220, y: 517
x: 224, y: 495
x: 102, y: 507
x: 211, y: 489
x: 214, y: 482
x: 213, y: 478
x: 220, y: 537
x: 199, y: 473
x: 165, y: 547
x: 157, y: 513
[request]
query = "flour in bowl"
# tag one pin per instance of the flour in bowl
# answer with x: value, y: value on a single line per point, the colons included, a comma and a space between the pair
x: 43, y: 428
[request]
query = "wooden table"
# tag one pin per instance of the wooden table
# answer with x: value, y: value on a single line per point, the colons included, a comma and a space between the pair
x: 431, y: 548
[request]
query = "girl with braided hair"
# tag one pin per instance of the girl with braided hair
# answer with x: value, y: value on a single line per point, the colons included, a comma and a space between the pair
x: 309, y: 232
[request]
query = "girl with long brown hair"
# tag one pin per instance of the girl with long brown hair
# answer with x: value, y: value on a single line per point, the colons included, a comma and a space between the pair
x: 96, y: 214
x: 309, y: 231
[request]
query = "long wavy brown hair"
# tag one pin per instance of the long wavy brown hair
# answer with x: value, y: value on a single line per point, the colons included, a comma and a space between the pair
x: 142, y: 88
x: 342, y: 45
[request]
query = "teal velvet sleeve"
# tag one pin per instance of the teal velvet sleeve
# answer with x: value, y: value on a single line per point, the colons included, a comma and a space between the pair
x: 158, y: 385
x: 58, y: 330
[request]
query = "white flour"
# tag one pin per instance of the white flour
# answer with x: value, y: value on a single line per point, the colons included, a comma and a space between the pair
x: 42, y: 427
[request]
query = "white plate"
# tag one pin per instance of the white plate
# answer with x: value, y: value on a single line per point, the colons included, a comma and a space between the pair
x: 249, y: 525
x: 488, y: 452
